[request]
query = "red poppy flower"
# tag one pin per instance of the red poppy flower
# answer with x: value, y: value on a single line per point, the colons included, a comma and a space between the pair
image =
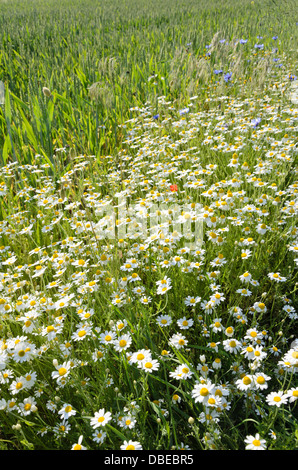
x: 174, y: 187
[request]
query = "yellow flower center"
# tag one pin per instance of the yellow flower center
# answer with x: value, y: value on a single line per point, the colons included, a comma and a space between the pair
x: 261, y: 380
x: 77, y: 447
x: 246, y: 380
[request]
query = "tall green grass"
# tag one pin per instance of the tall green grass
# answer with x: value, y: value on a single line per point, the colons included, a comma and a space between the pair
x: 69, y: 46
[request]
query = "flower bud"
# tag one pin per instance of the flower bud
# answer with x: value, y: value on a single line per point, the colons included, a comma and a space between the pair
x: 46, y: 92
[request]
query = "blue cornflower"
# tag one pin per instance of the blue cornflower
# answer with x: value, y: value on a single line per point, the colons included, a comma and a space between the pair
x: 243, y: 41
x: 259, y: 46
x: 256, y: 122
x: 217, y: 71
x: 227, y: 76
x: 184, y: 111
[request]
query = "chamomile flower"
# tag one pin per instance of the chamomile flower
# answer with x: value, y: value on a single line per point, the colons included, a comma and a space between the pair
x: 217, y: 364
x: 139, y: 356
x: 28, y: 406
x: 253, y: 335
x: 192, y: 301
x: 244, y: 292
x: 108, y: 337
x: 245, y: 277
x: 261, y: 380
x: 62, y: 370
x: 29, y: 379
x: 178, y: 341
x: 128, y: 422
x: 66, y: 411
x: 292, y: 394
x: 145, y: 300
x: 276, y: 277
x: 245, y: 383
x: 277, y: 398
x: 216, y: 325
x: 182, y: 372
x: 99, y: 436
x: 149, y: 365
x: 202, y: 391
x: 229, y: 331
x: 164, y: 285
x: 101, y: 418
x: 176, y: 399
x: 5, y: 376
x: 260, y: 307
x: 82, y: 332
x: 122, y: 343
x: 120, y: 325
x: 217, y: 298
x: 17, y: 385
x: 164, y: 320
x: 62, y: 429
x: 255, y: 442
x: 185, y: 323
x: 131, y: 445
x: 291, y: 356
x: 78, y: 445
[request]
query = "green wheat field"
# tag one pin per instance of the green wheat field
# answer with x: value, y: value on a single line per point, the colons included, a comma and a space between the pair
x: 148, y: 225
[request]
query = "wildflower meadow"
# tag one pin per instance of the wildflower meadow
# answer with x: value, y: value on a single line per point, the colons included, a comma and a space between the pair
x: 148, y: 225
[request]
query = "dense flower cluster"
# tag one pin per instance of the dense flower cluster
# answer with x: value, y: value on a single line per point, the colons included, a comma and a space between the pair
x: 104, y: 303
